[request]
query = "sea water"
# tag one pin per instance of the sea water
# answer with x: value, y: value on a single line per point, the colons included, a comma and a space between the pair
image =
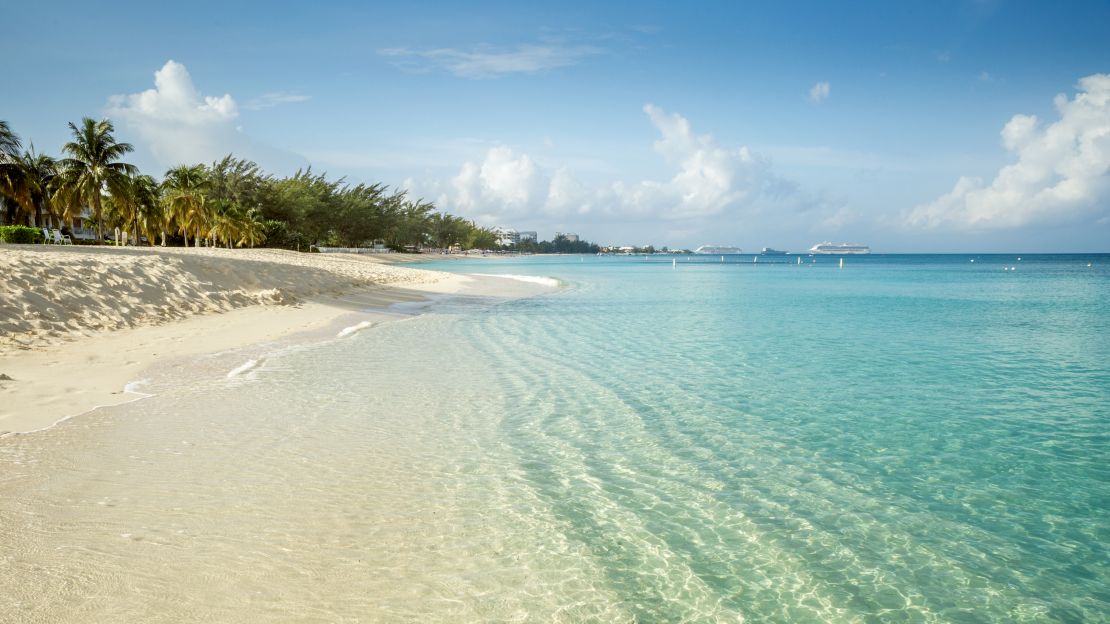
x: 906, y: 438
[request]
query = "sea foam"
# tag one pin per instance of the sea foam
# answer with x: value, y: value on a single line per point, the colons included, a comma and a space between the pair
x: 353, y: 329
x: 550, y: 282
x: 246, y: 366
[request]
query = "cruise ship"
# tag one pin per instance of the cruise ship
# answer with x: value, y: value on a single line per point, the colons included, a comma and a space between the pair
x: 767, y: 251
x: 839, y: 249
x: 718, y: 250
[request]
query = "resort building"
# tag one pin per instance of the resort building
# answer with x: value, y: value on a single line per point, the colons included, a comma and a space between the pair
x: 80, y: 230
x: 527, y: 237
x: 571, y: 237
x: 506, y: 236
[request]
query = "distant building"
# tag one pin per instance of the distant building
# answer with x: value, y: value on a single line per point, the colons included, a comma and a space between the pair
x: 80, y: 230
x: 506, y: 236
x: 571, y: 237
x: 527, y: 237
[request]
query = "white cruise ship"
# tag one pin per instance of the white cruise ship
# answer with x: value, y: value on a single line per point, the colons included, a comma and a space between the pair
x: 718, y: 250
x: 839, y: 249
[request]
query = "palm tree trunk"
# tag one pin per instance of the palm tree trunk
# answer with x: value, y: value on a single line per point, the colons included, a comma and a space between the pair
x: 96, y: 215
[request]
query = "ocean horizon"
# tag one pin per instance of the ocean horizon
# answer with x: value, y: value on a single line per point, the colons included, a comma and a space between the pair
x: 911, y: 437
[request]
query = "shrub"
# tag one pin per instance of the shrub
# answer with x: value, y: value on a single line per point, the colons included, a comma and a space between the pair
x: 20, y: 234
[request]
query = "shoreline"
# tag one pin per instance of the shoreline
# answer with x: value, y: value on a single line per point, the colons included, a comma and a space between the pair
x: 56, y: 377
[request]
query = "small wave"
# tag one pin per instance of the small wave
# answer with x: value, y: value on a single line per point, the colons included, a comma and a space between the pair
x: 133, y: 387
x: 248, y: 365
x: 550, y: 282
x: 353, y: 329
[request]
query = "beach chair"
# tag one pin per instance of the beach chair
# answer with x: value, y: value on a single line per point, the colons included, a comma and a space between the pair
x: 62, y: 239
x: 46, y: 238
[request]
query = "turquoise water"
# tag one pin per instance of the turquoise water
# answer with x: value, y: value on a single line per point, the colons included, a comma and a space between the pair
x: 909, y: 438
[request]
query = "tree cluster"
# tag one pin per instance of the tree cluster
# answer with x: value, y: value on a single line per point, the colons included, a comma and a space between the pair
x: 560, y: 245
x: 230, y: 202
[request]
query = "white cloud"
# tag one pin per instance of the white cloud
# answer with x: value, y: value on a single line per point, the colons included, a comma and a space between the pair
x: 709, y: 181
x: 177, y: 124
x: 819, y: 92
x: 489, y: 62
x: 269, y: 100
x: 1061, y: 173
x: 503, y: 184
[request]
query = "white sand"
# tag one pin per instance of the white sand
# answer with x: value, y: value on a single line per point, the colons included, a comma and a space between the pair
x: 78, y: 324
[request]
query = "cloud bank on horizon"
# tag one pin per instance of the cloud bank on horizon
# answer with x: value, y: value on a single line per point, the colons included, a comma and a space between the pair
x: 1062, y: 172
x: 709, y: 182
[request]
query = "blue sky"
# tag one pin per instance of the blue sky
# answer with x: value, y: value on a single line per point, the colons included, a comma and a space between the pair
x: 906, y: 126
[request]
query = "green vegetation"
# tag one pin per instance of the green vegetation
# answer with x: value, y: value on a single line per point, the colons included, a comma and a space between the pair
x: 230, y: 202
x: 20, y: 234
x: 559, y: 245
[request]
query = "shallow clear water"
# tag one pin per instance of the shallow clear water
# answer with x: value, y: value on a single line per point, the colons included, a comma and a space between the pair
x: 909, y: 438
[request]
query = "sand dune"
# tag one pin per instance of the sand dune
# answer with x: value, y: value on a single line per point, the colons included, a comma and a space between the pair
x: 78, y: 325
x: 51, y: 295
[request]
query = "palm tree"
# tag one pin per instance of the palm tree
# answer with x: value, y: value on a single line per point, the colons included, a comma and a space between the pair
x: 139, y: 209
x: 9, y: 172
x: 35, y: 180
x: 93, y: 166
x: 226, y: 220
x: 253, y: 228
x: 183, y: 193
x: 9, y: 141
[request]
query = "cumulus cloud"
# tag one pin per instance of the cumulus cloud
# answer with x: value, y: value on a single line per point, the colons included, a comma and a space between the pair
x: 173, y: 119
x: 177, y: 124
x: 819, y: 92
x: 490, y: 62
x: 709, y: 180
x: 1061, y: 173
x: 504, y: 184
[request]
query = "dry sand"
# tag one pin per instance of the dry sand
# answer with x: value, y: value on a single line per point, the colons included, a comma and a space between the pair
x: 77, y: 323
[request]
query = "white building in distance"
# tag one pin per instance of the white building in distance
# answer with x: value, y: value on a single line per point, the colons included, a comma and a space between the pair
x: 571, y: 237
x: 506, y: 236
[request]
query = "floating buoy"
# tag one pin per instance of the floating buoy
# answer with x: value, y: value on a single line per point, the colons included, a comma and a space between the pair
x: 799, y: 261
x: 674, y: 263
x: 722, y: 258
x: 973, y: 259
x: 842, y: 263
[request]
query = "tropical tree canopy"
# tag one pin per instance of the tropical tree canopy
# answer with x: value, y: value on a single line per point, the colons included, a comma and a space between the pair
x: 9, y: 140
x: 230, y: 202
x: 93, y: 167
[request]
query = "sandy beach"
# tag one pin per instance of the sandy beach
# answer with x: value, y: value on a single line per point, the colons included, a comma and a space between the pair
x: 77, y: 324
